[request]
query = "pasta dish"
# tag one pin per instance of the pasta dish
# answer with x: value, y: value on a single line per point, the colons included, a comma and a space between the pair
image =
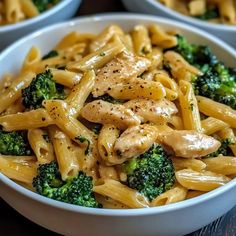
x: 13, y: 11
x: 215, y: 11
x: 120, y: 119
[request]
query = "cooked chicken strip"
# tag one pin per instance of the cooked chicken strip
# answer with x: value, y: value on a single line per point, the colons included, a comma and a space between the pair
x: 135, y: 141
x: 103, y: 112
x: 119, y: 70
x: 149, y: 110
x: 189, y: 144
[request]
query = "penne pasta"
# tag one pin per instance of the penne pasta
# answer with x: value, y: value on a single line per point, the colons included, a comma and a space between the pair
x: 65, y: 153
x: 189, y: 107
x: 99, y: 58
x: 121, y: 193
x: 26, y: 120
x: 13, y: 92
x: 20, y: 171
x: 201, y: 181
x: 173, y: 195
x: 217, y: 110
x: 41, y: 145
x: 80, y: 93
x: 224, y: 165
x: 182, y: 163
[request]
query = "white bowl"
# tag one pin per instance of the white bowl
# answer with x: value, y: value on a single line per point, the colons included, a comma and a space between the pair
x: 225, y: 32
x: 176, y: 219
x: 62, y: 11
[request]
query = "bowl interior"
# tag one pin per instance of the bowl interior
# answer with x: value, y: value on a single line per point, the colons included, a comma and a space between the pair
x: 11, y: 59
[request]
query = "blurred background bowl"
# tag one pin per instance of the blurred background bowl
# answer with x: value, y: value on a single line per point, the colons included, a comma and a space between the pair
x: 225, y: 32
x: 61, y: 11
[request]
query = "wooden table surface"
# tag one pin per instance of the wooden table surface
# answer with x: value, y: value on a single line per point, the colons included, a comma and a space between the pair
x: 13, y: 224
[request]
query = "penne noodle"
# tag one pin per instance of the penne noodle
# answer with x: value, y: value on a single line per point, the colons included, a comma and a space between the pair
x: 189, y: 107
x: 141, y: 41
x: 138, y: 89
x: 224, y: 165
x: 106, y: 141
x: 201, y: 181
x: 20, y: 171
x: 65, y: 153
x: 66, y: 78
x: 161, y: 38
x: 13, y: 92
x: 212, y: 125
x: 217, y: 110
x: 103, y: 38
x: 99, y: 58
x: 173, y: 195
x: 26, y: 120
x: 183, y: 163
x: 121, y: 193
x: 80, y: 93
x: 29, y: 9
x: 41, y: 145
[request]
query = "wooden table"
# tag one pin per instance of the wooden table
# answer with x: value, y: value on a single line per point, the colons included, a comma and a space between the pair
x: 13, y: 224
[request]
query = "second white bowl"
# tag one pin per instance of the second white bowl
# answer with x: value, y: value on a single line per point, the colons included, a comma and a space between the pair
x: 62, y: 11
x: 225, y: 32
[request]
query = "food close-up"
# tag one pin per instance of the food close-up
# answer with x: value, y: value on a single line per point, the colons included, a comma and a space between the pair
x: 118, y: 118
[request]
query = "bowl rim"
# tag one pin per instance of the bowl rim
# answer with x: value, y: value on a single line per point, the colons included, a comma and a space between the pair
x: 22, y: 24
x: 117, y: 212
x: 191, y: 20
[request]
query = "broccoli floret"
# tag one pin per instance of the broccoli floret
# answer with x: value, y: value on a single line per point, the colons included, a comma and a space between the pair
x: 75, y: 190
x: 198, y: 55
x: 42, y: 87
x: 14, y: 143
x: 218, y: 82
x: 209, y: 14
x: 43, y: 5
x: 224, y: 149
x: 51, y: 54
x: 151, y: 173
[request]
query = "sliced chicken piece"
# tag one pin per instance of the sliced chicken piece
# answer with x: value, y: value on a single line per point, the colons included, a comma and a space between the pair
x: 103, y: 112
x: 135, y: 141
x: 119, y: 70
x: 189, y: 144
x: 157, y: 112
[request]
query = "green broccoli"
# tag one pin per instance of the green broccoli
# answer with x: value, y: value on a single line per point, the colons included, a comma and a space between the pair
x: 75, y: 190
x: 42, y: 87
x: 14, y: 143
x: 224, y: 149
x: 43, y: 5
x: 210, y: 13
x: 151, y: 173
x: 218, y: 82
x: 198, y: 55
x: 51, y: 54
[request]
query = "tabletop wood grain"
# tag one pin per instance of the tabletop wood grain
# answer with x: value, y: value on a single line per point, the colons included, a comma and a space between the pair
x: 13, y: 224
